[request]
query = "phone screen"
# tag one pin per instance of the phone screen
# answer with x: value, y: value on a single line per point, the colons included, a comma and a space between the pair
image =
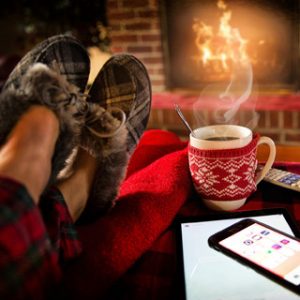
x: 269, y: 249
x: 211, y: 275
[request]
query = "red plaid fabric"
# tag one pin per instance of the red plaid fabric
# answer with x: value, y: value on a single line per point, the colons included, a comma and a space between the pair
x: 59, y: 225
x: 29, y: 251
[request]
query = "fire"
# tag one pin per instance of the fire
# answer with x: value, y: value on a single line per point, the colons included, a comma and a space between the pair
x: 219, y: 50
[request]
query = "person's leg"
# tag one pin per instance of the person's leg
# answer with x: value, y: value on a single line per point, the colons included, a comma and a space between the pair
x: 69, y: 60
x: 80, y: 177
x: 123, y: 83
x: 29, y: 265
x: 42, y: 86
x: 76, y: 188
x: 26, y: 155
x: 41, y: 119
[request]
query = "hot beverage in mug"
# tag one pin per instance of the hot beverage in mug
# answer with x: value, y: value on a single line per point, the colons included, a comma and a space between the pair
x: 223, y: 164
x: 221, y: 138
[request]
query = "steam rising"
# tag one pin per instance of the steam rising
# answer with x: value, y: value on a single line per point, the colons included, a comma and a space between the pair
x: 225, y: 51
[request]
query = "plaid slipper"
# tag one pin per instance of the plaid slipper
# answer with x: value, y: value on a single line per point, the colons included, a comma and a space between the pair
x: 42, y: 86
x: 122, y: 83
x: 62, y: 53
x: 69, y: 59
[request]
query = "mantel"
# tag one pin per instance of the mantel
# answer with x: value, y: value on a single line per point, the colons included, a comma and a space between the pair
x: 268, y: 102
x: 278, y: 114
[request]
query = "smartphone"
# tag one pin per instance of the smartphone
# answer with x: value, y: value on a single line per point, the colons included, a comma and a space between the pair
x: 267, y: 250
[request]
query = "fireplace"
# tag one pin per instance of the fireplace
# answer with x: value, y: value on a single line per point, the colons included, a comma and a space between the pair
x: 145, y: 28
x: 203, y: 39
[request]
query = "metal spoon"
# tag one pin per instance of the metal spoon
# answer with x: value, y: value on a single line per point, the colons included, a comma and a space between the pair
x: 183, y: 119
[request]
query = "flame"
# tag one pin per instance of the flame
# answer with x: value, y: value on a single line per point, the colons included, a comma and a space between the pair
x: 219, y: 50
x: 221, y: 4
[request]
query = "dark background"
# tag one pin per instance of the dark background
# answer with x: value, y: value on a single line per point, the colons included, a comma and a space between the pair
x: 23, y: 23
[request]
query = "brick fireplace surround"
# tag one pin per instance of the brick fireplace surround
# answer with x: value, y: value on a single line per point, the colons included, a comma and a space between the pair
x: 135, y: 27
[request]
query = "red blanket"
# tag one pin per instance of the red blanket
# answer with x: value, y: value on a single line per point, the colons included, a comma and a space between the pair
x: 131, y: 252
x: 157, y: 185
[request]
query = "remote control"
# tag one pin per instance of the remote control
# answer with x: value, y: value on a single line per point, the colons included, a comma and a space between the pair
x: 284, y: 179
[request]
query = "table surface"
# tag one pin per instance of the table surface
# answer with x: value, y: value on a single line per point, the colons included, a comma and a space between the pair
x: 284, y: 153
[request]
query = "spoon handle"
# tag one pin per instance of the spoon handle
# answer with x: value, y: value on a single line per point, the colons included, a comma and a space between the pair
x: 183, y: 119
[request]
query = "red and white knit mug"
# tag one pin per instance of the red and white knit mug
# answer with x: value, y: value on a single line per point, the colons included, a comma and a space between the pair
x: 223, y: 164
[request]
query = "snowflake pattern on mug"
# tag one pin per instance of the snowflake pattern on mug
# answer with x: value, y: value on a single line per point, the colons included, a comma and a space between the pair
x: 206, y: 177
x: 230, y: 177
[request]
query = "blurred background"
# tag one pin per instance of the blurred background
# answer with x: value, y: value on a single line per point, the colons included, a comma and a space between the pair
x: 169, y: 36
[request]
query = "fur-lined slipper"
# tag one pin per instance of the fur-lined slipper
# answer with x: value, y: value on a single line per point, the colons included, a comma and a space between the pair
x: 122, y: 84
x: 62, y: 53
x: 42, y: 86
x: 66, y: 56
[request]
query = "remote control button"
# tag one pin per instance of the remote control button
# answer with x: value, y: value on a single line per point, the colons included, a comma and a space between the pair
x: 284, y: 179
x: 289, y: 179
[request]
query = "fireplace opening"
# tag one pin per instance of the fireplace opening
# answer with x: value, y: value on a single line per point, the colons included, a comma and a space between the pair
x: 206, y: 41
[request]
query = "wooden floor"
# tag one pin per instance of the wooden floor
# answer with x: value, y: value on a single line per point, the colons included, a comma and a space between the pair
x: 283, y: 153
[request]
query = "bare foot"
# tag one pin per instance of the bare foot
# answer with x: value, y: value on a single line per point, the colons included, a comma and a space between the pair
x: 76, y: 188
x: 26, y: 156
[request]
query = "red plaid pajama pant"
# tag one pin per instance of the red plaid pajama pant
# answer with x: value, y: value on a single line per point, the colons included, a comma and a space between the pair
x: 34, y: 241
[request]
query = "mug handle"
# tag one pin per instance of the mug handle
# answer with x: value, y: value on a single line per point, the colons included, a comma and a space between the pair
x: 270, y: 160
